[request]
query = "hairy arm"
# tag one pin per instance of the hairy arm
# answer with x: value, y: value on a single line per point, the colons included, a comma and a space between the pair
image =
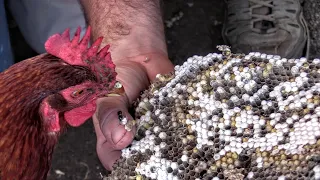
x: 134, y: 29
x: 131, y: 26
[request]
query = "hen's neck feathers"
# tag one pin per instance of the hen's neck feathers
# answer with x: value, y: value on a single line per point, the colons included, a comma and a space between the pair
x: 25, y: 145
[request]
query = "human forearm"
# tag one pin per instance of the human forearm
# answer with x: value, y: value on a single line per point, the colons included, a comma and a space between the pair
x: 135, y: 31
x: 131, y: 27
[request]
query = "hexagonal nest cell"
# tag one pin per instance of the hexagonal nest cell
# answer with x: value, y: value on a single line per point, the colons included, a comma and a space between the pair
x: 228, y: 116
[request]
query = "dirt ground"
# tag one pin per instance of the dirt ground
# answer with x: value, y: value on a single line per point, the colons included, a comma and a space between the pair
x: 196, y: 32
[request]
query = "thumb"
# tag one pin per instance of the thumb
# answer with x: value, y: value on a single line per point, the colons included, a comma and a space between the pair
x: 112, y: 134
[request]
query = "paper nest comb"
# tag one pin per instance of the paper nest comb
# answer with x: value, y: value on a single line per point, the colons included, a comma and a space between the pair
x: 228, y: 116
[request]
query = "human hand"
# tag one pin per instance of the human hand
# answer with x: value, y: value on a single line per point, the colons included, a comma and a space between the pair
x: 112, y: 136
x: 134, y: 73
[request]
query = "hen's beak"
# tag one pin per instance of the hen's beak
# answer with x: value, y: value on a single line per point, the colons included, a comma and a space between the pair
x: 118, y: 90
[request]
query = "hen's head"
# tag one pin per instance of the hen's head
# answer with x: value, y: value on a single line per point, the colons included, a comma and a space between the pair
x: 38, y: 96
x: 78, y: 102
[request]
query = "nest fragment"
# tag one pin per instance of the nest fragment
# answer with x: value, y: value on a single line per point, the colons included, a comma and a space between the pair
x: 228, y: 116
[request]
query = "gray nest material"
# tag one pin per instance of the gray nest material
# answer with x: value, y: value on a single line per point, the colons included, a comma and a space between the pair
x: 228, y: 116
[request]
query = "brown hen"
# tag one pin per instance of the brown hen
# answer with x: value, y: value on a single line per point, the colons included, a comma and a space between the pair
x: 41, y: 95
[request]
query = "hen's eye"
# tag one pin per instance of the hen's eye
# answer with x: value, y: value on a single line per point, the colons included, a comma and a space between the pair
x: 77, y: 93
x: 90, y: 90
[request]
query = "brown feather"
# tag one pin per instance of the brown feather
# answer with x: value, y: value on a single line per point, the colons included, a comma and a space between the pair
x: 25, y: 145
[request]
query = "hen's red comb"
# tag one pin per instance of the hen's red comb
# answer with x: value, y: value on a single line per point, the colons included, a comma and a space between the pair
x: 77, y: 53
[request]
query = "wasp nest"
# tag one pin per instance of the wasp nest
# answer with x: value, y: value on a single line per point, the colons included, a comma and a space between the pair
x: 228, y: 116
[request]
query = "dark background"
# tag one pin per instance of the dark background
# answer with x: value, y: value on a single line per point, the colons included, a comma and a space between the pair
x: 197, y: 32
